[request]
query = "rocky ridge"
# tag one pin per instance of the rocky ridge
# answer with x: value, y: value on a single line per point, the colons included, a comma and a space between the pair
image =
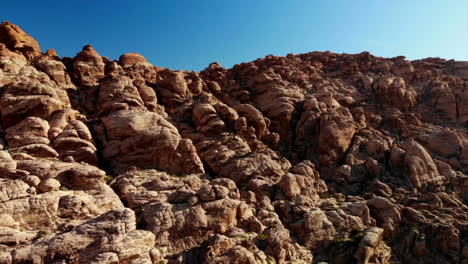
x: 310, y: 158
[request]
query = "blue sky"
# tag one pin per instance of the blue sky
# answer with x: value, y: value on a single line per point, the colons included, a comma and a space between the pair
x: 183, y: 34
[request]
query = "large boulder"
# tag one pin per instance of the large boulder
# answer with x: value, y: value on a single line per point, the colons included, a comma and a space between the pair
x: 88, y: 67
x: 16, y: 39
x: 394, y: 91
x: 30, y: 98
x: 148, y: 140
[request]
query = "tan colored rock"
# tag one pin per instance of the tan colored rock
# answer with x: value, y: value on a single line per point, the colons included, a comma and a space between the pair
x: 114, y: 232
x: 386, y: 213
x: 30, y: 98
x: 420, y: 166
x: 76, y: 141
x: 16, y: 39
x: 273, y: 161
x: 206, y: 119
x: 443, y: 142
x: 254, y: 117
x: 31, y: 180
x: 88, y: 67
x: 360, y: 210
x: 227, y: 114
x: 304, y: 180
x: 14, y: 189
x: 314, y: 229
x: 29, y: 131
x: 402, y: 67
x: 6, y: 162
x: 49, y: 185
x: 394, y: 91
x: 174, y: 87
x: 51, y: 53
x: 69, y: 195
x: 130, y: 141
x: 139, y: 187
x: 11, y: 64
x: 372, y: 249
x: 277, y: 101
x: 224, y: 250
x: 30, y: 137
x: 129, y: 59
x: 138, y: 68
x: 149, y: 97
x: 192, y: 225
x: 442, y: 97
x: 211, y: 212
x: 56, y: 71
x: 336, y: 132
x: 119, y: 93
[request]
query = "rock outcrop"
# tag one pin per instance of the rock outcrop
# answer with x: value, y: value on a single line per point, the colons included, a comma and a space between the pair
x: 309, y: 158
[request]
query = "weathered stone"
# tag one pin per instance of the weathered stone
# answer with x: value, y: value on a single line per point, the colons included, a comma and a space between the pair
x: 309, y: 158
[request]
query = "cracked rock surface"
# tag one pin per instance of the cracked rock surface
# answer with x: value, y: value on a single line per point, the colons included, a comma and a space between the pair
x: 309, y: 158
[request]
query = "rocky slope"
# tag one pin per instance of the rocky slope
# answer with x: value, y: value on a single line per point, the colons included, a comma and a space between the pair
x: 310, y: 158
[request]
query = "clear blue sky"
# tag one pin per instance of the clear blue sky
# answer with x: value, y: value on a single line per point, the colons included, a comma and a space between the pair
x: 183, y: 34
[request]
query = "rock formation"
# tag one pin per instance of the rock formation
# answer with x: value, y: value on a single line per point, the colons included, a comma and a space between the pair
x: 310, y: 158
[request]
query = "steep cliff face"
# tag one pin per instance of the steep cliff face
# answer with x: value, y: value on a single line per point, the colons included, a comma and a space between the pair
x: 317, y: 157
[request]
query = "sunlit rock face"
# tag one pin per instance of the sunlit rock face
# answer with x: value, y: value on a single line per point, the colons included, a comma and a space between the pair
x: 309, y: 158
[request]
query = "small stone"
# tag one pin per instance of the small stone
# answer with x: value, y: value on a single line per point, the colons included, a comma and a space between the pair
x: 49, y: 185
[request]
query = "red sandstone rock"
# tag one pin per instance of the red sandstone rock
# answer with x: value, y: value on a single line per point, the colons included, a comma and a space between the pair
x: 129, y: 59
x: 316, y: 157
x: 147, y: 139
x: 18, y: 40
x: 30, y: 98
x: 88, y: 67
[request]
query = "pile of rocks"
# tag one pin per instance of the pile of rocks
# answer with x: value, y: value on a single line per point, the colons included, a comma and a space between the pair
x: 317, y: 157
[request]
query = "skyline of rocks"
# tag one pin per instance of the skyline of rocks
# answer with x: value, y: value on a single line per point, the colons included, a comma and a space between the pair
x: 307, y: 158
